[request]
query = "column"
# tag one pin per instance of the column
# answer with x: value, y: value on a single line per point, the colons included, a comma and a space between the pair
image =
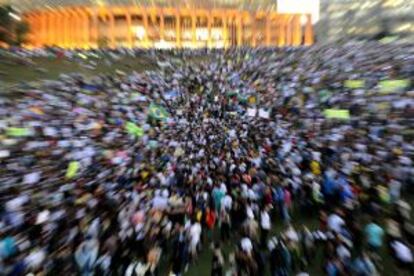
x: 112, y: 30
x: 71, y: 30
x: 93, y: 25
x: 209, y: 23
x: 282, y: 31
x: 162, y: 25
x: 267, y: 31
x: 297, y: 31
x: 76, y: 30
x: 64, y: 29
x: 43, y: 24
x: 49, y: 28
x: 86, y: 30
x: 69, y: 25
x: 308, y: 31
x: 254, y: 42
x: 193, y: 29
x: 289, y: 31
x: 129, y: 26
x: 57, y: 29
x: 239, y: 23
x: 225, y: 36
x: 177, y: 30
x: 145, y: 18
x: 29, y: 20
x: 38, y: 30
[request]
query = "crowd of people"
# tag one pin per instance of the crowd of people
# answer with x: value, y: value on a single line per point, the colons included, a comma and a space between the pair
x: 141, y: 174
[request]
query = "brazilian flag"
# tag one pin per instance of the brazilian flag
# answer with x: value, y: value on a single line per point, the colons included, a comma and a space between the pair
x: 157, y: 112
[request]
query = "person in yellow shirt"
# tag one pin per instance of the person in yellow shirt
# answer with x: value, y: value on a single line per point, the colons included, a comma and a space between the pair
x: 315, y: 167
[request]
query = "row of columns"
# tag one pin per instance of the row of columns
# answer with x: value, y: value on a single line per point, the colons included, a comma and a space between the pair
x: 80, y: 27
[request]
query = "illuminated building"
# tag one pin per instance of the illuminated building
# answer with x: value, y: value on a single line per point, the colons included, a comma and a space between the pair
x: 370, y: 19
x: 163, y: 24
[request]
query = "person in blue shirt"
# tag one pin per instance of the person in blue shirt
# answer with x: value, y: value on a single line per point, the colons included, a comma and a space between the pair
x: 374, y: 235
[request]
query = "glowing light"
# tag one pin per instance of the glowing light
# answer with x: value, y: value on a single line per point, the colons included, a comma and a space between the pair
x: 300, y: 6
x: 82, y: 56
x: 202, y: 33
x: 139, y: 32
x: 303, y: 20
x: 15, y: 16
x: 162, y: 44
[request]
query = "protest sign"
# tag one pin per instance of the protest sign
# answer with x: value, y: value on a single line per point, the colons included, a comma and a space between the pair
x: 391, y: 86
x: 337, y: 114
x: 353, y: 84
x: 17, y: 132
x: 264, y: 113
x: 72, y: 169
x: 251, y: 112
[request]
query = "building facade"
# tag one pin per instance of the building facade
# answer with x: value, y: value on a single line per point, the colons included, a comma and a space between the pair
x: 369, y: 19
x: 165, y: 27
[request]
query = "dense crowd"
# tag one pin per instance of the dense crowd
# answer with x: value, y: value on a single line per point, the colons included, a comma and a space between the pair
x: 141, y: 174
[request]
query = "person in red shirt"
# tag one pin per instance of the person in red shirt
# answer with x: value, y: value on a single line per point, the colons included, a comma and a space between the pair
x: 210, y: 221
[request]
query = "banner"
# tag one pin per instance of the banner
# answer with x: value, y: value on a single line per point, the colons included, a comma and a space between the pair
x: 171, y: 95
x: 390, y: 86
x: 157, y: 112
x: 133, y: 129
x: 72, y: 169
x: 354, y: 84
x: 251, y: 112
x: 17, y: 132
x: 264, y: 113
x: 337, y: 114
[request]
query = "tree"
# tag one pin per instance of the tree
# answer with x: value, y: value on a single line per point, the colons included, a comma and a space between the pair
x: 12, y: 32
x: 5, y: 24
x: 20, y: 32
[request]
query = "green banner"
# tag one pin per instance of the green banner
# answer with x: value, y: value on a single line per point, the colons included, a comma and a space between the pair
x: 390, y: 86
x: 133, y: 129
x: 17, y: 132
x: 72, y: 169
x: 354, y: 84
x: 337, y: 114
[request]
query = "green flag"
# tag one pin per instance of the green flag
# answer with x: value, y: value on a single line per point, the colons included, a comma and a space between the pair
x: 157, y: 112
x: 390, y: 86
x: 17, y: 132
x: 337, y: 114
x: 353, y: 84
x: 72, y: 169
x: 133, y: 129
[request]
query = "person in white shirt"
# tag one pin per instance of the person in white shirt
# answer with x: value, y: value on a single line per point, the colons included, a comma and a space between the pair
x: 246, y: 245
x: 160, y: 202
x: 265, y: 226
x: 335, y: 223
x: 403, y: 254
x: 227, y: 202
x: 195, y: 234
